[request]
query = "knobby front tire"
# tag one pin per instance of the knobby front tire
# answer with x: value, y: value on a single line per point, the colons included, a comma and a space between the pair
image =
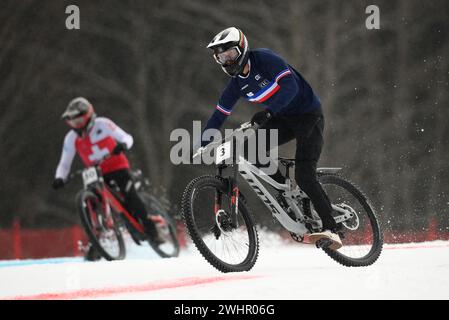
x: 226, y: 246
x: 108, y: 241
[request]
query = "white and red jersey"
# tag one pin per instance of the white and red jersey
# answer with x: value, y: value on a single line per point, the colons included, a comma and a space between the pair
x: 94, y: 146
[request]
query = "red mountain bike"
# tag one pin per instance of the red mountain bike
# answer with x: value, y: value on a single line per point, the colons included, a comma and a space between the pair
x: 103, y: 216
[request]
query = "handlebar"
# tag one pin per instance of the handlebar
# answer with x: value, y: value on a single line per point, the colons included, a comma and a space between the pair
x: 243, y: 127
x: 80, y: 171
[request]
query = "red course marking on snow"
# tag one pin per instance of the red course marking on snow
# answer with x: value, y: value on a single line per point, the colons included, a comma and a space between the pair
x: 153, y: 286
x: 418, y: 247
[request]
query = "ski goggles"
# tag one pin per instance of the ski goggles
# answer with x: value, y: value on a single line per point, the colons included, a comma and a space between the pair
x: 228, y: 57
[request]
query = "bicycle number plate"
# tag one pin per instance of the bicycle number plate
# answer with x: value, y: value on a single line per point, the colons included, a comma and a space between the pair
x: 89, y: 176
x: 223, y: 152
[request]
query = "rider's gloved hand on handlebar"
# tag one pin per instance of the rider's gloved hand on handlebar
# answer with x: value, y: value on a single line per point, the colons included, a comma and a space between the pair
x: 119, y: 148
x: 261, y: 117
x: 58, y: 183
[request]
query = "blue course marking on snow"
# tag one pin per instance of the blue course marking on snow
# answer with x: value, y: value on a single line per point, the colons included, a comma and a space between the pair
x: 20, y: 263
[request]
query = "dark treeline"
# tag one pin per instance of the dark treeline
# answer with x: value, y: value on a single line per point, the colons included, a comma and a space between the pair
x: 144, y: 64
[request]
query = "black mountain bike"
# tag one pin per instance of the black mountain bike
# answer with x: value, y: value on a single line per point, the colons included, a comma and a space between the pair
x: 221, y: 225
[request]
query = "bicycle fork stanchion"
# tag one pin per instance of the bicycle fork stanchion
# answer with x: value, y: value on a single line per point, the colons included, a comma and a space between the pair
x: 92, y: 215
x: 218, y: 194
x: 234, y: 188
x: 107, y: 210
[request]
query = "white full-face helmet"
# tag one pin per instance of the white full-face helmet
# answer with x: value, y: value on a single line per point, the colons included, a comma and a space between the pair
x: 79, y: 114
x: 231, y: 50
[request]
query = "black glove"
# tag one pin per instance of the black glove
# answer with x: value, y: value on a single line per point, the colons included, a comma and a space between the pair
x: 58, y: 183
x: 119, y: 148
x: 261, y: 117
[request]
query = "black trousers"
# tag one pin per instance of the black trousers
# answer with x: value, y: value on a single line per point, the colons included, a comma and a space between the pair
x: 307, y: 129
x: 133, y: 203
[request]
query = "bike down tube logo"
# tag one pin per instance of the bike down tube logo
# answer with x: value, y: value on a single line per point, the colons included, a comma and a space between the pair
x: 259, y: 192
x: 261, y: 146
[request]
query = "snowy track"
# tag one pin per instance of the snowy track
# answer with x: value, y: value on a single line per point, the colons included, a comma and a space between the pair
x: 413, y: 271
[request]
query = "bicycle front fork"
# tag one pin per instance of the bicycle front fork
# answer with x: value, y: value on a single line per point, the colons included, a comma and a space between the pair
x: 233, y: 190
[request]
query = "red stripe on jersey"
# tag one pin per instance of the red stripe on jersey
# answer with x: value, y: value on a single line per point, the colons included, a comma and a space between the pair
x: 268, y: 96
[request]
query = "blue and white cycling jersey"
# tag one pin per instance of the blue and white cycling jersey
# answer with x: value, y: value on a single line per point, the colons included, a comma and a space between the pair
x: 271, y: 82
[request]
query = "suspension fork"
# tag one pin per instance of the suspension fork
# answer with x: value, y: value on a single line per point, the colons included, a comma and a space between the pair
x: 218, y: 193
x: 233, y: 185
x: 232, y: 189
x: 92, y: 215
x: 106, y: 206
x: 235, y: 194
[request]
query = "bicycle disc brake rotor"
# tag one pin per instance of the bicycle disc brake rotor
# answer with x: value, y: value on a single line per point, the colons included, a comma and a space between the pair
x: 352, y: 223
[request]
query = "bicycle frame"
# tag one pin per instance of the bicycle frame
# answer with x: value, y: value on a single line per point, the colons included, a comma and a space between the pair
x: 108, y: 200
x: 252, y: 174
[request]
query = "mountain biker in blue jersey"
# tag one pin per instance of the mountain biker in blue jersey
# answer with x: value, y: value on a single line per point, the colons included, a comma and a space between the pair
x: 289, y: 105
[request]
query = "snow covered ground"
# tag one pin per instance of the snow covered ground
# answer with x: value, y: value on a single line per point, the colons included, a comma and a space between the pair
x: 283, y: 271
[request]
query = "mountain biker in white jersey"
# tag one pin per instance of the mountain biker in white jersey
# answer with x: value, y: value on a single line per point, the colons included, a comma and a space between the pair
x: 92, y: 138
